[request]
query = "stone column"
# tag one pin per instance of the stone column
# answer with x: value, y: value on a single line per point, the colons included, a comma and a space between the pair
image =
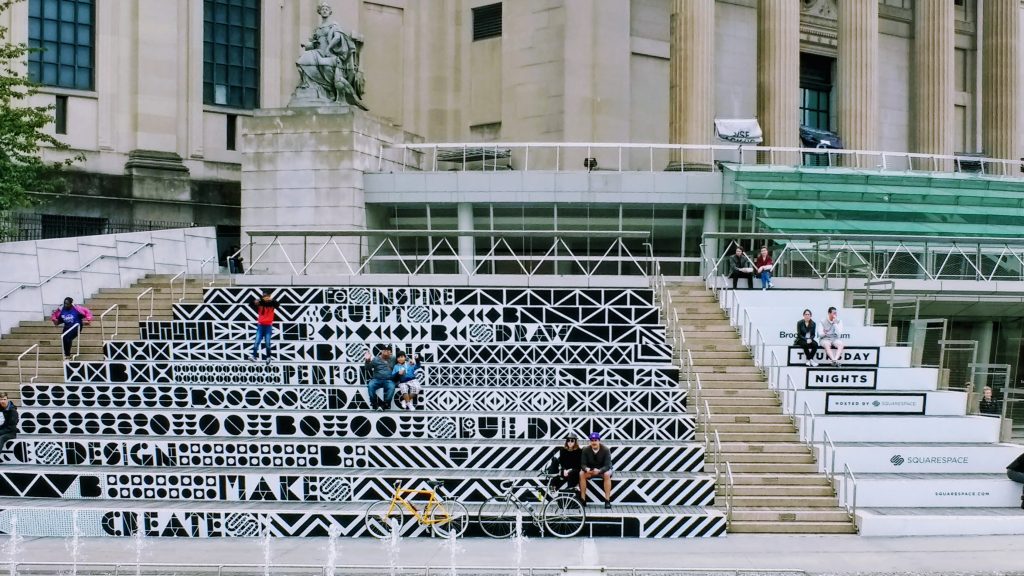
x: 710, y: 226
x: 778, y: 75
x: 933, y: 80
x: 692, y: 79
x: 1001, y: 82
x: 858, y: 76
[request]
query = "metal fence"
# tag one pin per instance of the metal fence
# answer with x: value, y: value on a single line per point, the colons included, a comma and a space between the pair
x: 21, y: 226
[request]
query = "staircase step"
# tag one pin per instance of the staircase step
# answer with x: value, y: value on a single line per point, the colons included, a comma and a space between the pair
x: 779, y: 501
x: 781, y: 479
x: 794, y: 446
x: 812, y: 527
x: 757, y: 436
x: 713, y: 392
x: 718, y: 419
x: 789, y: 515
x: 768, y: 490
x: 769, y: 457
x: 720, y: 409
x: 767, y: 468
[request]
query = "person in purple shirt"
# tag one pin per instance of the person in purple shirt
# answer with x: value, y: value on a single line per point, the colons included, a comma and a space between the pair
x: 70, y: 318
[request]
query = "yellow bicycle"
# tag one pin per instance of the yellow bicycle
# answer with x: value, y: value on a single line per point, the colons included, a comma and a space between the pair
x: 446, y: 518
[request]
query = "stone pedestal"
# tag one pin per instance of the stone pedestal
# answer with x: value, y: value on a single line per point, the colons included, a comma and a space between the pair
x: 163, y: 178
x: 302, y: 169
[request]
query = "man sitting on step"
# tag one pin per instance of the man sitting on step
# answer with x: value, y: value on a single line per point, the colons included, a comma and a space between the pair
x: 380, y: 378
x: 9, y: 426
x: 596, y: 461
x: 829, y: 331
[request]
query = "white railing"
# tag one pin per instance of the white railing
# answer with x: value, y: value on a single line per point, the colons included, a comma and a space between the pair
x: 548, y: 252
x: 849, y: 491
x: 212, y: 261
x: 138, y: 303
x: 730, y: 487
x: 653, y: 157
x: 115, y: 308
x: 807, y: 425
x: 828, y: 455
x: 21, y: 374
x: 875, y: 258
x: 184, y: 278
x: 78, y: 339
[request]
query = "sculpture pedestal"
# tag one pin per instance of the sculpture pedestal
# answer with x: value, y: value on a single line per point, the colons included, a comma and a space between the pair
x: 302, y: 169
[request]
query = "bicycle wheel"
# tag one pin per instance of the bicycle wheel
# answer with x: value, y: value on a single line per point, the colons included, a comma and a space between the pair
x: 449, y: 518
x: 380, y: 522
x: 497, y: 517
x: 564, y: 515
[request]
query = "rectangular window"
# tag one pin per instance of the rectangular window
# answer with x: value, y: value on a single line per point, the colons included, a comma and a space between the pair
x: 232, y: 131
x: 62, y: 36
x: 487, y: 22
x: 60, y: 115
x: 231, y: 53
x: 815, y: 91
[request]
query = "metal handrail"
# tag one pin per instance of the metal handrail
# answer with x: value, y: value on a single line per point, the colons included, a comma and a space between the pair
x: 184, y: 278
x: 730, y: 484
x: 115, y: 308
x: 828, y: 447
x: 804, y: 416
x: 76, y: 270
x: 138, y: 303
x: 213, y: 271
x: 718, y: 455
x: 21, y: 375
x: 78, y: 339
x: 849, y: 502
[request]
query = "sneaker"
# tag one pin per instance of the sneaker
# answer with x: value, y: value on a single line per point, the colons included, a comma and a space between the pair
x: 268, y: 362
x: 254, y: 359
x: 814, y: 363
x: 379, y: 408
x: 763, y: 288
x: 410, y: 407
x: 405, y: 405
x: 771, y: 285
x: 808, y: 362
x: 607, y: 505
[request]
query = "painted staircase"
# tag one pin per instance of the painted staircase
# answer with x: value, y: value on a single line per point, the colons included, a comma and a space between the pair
x: 125, y: 323
x: 777, y: 486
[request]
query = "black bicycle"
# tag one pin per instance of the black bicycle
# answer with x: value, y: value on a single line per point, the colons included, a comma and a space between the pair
x: 538, y: 501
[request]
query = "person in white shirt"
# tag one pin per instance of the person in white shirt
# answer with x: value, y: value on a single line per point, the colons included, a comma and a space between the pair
x: 829, y: 331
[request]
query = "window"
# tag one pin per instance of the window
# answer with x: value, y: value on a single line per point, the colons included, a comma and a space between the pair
x: 60, y: 115
x: 487, y: 22
x: 231, y: 131
x: 815, y: 91
x: 231, y: 53
x: 61, y: 226
x: 62, y: 33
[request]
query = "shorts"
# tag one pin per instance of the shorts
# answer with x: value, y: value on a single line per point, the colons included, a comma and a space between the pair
x: 830, y: 339
x: 409, y: 386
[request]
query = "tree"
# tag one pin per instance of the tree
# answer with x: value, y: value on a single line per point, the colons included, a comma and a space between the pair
x: 22, y: 168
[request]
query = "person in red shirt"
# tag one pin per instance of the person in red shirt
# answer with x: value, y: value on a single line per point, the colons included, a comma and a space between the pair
x: 763, y: 268
x: 265, y: 307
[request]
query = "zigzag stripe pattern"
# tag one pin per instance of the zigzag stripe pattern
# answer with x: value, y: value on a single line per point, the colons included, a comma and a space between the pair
x: 368, y: 425
x: 451, y: 455
x: 350, y: 398
x: 363, y: 295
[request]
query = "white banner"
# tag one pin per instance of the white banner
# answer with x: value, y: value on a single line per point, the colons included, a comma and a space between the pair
x: 821, y: 378
x: 874, y: 403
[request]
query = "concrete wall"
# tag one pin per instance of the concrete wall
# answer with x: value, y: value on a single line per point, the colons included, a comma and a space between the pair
x: 39, y: 275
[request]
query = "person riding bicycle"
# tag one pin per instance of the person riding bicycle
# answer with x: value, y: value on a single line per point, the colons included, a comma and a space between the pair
x: 569, y: 462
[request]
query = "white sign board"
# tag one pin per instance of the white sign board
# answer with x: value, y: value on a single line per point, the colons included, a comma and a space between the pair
x: 852, y: 356
x: 874, y: 403
x: 823, y: 378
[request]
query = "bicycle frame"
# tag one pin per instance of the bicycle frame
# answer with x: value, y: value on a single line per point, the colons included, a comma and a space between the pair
x: 399, y: 499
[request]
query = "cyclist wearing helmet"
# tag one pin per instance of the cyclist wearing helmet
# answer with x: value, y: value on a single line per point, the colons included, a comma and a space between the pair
x: 596, y: 461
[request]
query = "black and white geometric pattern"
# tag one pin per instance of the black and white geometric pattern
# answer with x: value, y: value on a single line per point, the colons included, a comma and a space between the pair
x: 350, y: 453
x: 319, y: 424
x: 178, y: 434
x: 346, y: 485
x: 349, y: 397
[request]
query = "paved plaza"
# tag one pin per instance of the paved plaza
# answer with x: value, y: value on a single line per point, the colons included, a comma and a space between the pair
x: 812, y: 554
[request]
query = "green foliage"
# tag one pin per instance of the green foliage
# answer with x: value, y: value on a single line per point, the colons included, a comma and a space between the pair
x: 22, y: 169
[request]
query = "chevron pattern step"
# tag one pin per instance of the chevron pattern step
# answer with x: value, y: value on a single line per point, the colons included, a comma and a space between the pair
x: 365, y: 453
x: 325, y: 485
x: 58, y: 518
x: 350, y: 397
x: 331, y: 424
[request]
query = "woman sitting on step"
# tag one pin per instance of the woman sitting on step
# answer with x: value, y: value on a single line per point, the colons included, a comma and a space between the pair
x: 805, y: 333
